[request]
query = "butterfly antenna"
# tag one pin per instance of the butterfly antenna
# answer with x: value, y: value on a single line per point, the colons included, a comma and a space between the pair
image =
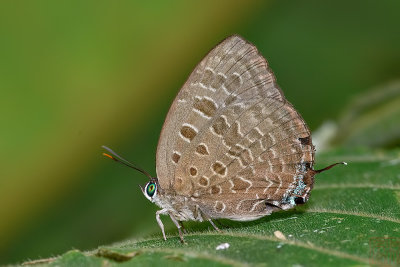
x: 123, y: 161
x: 330, y: 166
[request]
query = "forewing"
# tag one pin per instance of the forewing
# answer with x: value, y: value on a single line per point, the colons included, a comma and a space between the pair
x: 232, y: 67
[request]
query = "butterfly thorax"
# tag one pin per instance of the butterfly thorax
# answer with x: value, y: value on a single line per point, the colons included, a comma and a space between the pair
x: 181, y: 207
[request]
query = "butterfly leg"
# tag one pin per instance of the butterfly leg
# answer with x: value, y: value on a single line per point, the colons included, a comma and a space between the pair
x: 183, y: 228
x: 206, y: 217
x: 158, y: 213
x: 177, y: 226
x: 213, y: 225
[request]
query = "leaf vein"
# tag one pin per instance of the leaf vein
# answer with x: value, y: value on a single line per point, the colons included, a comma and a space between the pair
x: 345, y: 186
x: 361, y: 214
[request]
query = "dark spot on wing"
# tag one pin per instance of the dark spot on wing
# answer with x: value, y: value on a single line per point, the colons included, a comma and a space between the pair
x: 299, y: 200
x: 305, y: 140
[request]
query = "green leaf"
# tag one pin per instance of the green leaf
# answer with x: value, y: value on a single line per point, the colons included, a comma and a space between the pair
x: 372, y: 119
x: 350, y: 209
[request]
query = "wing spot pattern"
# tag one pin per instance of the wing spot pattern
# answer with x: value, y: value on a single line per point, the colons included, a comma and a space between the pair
x: 215, y: 190
x: 207, y: 79
x: 204, y: 181
x: 193, y: 171
x: 176, y: 156
x: 205, y: 106
x: 233, y: 83
x: 219, y: 168
x: 188, y: 132
x: 202, y: 149
x: 220, y: 126
x: 218, y: 81
x: 240, y: 184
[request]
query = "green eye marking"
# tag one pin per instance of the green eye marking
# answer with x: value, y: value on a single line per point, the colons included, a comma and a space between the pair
x: 151, y: 189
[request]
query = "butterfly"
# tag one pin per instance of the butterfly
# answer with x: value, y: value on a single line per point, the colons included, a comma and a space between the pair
x: 231, y: 145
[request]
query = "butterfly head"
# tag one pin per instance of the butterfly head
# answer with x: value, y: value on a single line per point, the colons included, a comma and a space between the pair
x: 150, y: 190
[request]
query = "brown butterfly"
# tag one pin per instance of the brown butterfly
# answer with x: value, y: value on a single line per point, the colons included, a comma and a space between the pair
x: 231, y: 146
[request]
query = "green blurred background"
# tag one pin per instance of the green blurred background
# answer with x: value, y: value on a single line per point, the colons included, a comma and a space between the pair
x: 75, y: 75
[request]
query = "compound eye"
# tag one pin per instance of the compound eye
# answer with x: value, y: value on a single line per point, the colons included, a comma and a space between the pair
x: 151, y: 189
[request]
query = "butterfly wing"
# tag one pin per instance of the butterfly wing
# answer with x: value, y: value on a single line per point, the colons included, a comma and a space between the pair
x: 230, y: 132
x: 211, y: 84
x: 268, y: 164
